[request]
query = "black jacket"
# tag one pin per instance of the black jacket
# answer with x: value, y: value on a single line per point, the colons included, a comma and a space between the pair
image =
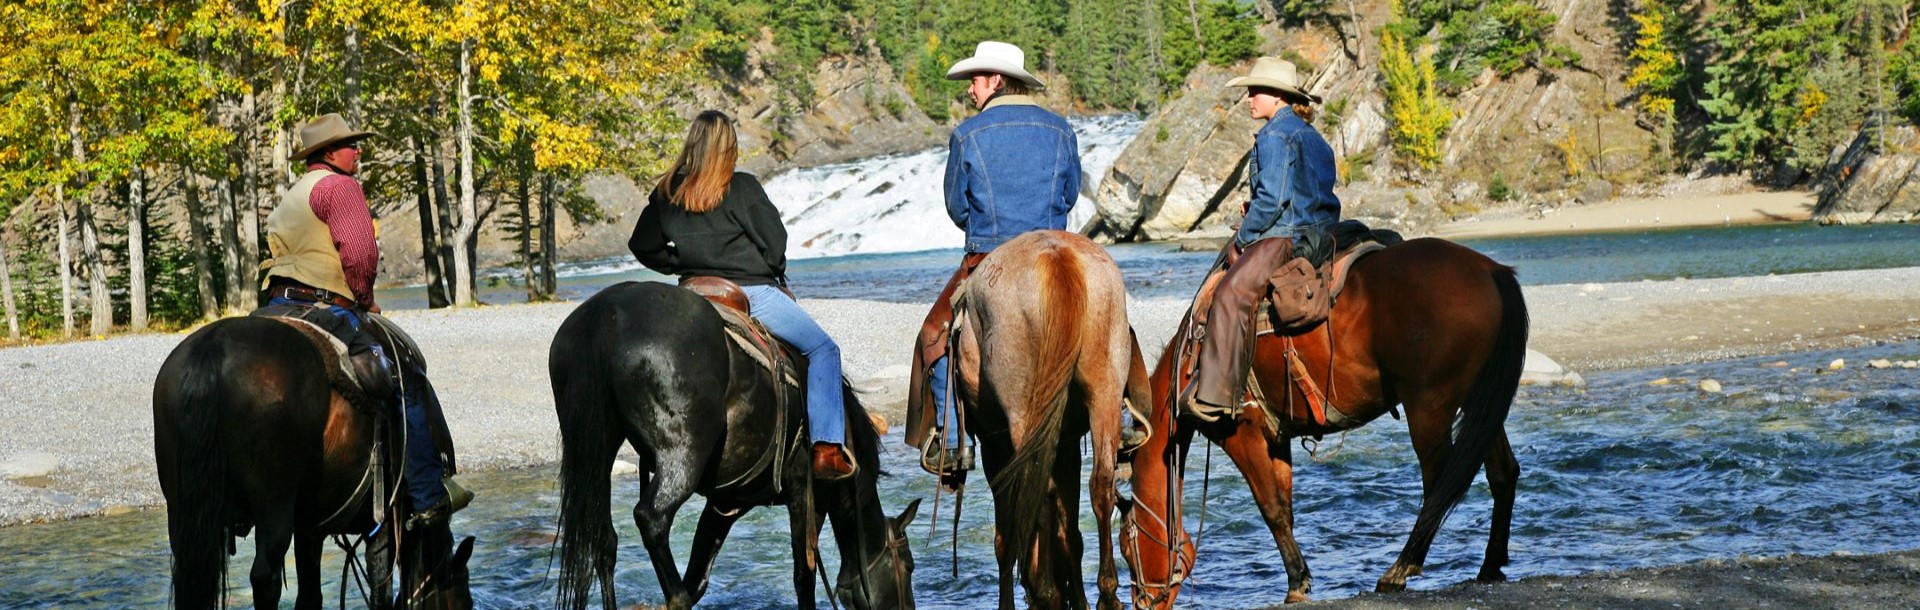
x: 741, y: 240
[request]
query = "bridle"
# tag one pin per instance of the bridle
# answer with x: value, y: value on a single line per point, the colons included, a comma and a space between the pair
x: 900, y: 576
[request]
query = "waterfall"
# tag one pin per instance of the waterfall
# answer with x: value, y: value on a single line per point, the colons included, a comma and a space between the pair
x: 893, y: 203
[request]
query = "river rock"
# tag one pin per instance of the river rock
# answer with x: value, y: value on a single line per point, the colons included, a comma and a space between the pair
x: 1873, y: 179
x: 1542, y: 370
x: 1880, y: 363
x: 29, y: 465
x: 623, y: 467
x: 1594, y: 190
x: 1837, y: 364
x: 1710, y: 386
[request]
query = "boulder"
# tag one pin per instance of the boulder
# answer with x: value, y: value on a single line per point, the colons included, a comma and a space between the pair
x: 1188, y: 161
x: 1873, y: 179
x: 1542, y: 370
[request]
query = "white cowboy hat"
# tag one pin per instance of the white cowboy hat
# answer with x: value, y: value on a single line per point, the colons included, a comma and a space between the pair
x: 323, y: 131
x: 999, y: 58
x: 1275, y: 73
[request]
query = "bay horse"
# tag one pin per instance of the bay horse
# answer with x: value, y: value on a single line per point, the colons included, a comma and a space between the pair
x: 651, y: 365
x: 1427, y: 324
x: 1043, y: 354
x: 250, y: 431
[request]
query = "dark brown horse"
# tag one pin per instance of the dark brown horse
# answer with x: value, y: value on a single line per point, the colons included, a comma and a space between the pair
x: 650, y: 365
x: 249, y: 433
x: 1043, y: 358
x: 1427, y: 324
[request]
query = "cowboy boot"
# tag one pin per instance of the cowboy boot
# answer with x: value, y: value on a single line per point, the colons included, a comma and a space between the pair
x: 831, y: 462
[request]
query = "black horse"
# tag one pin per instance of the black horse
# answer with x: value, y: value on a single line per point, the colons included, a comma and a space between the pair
x: 650, y: 364
x: 249, y: 432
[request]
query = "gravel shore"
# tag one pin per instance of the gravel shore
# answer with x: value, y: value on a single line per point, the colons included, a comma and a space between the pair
x: 79, y: 439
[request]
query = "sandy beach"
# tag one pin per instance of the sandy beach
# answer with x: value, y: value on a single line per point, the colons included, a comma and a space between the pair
x: 1639, y: 214
x: 79, y: 440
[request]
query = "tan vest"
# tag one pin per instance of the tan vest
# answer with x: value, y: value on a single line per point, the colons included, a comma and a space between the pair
x: 302, y: 246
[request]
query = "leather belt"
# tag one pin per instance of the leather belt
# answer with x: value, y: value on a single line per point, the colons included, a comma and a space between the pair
x: 302, y: 292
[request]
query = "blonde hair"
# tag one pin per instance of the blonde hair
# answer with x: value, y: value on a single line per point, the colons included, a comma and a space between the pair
x: 705, y: 163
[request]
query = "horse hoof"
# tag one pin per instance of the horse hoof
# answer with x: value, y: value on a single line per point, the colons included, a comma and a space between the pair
x: 1492, y: 575
x: 1389, y: 587
x: 1294, y: 597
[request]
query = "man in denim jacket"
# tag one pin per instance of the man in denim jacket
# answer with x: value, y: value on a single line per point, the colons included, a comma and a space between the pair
x: 1288, y: 214
x: 1013, y: 168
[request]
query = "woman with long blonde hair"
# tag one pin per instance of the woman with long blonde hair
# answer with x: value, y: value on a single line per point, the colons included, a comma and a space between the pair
x: 705, y: 219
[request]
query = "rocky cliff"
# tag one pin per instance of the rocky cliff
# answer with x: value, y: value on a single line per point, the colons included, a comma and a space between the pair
x: 1546, y: 135
x: 1873, y: 179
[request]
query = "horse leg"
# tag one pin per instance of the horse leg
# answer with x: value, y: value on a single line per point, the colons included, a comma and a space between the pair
x: 1503, y: 478
x: 1062, y: 570
x: 707, y: 538
x: 1429, y: 424
x: 273, y: 534
x: 1268, y: 469
x: 669, y: 486
x: 306, y: 562
x: 1105, y: 438
x: 802, y: 525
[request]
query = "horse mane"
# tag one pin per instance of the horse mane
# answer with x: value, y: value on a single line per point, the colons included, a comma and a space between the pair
x: 862, y: 438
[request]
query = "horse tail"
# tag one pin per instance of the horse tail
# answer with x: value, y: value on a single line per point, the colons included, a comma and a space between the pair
x: 590, y: 438
x: 196, y: 514
x: 1483, y: 417
x: 1024, y: 481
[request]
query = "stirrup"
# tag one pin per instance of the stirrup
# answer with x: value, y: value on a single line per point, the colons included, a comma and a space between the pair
x: 1192, y: 406
x: 1131, y: 439
x: 944, y: 463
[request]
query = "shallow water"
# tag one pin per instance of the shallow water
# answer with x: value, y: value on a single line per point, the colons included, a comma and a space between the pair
x: 1622, y: 474
x: 1162, y: 270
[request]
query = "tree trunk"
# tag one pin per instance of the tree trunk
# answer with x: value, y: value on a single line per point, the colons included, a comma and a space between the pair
x: 526, y: 232
x: 6, y: 290
x: 464, y: 232
x: 89, y: 241
x: 548, y: 226
x: 1193, y: 16
x: 228, y: 206
x: 137, y: 250
x: 202, y: 263
x: 443, y: 211
x: 429, y: 231
x: 352, y: 54
x: 66, y: 265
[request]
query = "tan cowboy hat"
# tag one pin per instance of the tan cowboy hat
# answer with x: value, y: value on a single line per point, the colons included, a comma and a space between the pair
x: 999, y: 58
x: 323, y: 131
x: 1275, y: 73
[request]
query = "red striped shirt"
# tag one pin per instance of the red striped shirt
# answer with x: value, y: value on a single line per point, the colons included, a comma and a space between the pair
x: 338, y: 201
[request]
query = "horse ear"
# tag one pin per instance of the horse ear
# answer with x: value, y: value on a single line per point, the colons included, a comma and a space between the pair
x: 464, y: 553
x: 906, y: 516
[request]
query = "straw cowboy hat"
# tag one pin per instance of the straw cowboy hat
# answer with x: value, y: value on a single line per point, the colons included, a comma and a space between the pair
x: 997, y: 57
x: 1275, y: 73
x: 326, y: 130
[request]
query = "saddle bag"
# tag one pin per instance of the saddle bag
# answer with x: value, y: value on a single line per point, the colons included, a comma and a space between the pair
x: 1298, y: 294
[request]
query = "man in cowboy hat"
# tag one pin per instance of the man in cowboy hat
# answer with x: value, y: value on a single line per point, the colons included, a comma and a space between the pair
x: 1288, y: 214
x: 325, y: 256
x: 1012, y: 168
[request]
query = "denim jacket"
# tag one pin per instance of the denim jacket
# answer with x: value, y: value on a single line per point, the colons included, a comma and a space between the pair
x: 1292, y: 178
x: 1013, y: 168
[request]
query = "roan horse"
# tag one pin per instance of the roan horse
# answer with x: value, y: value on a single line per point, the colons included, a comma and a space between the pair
x: 1427, y: 324
x: 1043, y: 356
x: 650, y: 364
x: 249, y: 431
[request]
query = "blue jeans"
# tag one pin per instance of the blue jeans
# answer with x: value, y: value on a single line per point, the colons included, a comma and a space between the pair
x: 947, y: 421
x: 423, y: 468
x: 826, y: 408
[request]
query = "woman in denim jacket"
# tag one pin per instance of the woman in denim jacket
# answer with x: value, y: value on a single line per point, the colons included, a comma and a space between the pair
x: 1013, y: 168
x: 1291, y: 208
